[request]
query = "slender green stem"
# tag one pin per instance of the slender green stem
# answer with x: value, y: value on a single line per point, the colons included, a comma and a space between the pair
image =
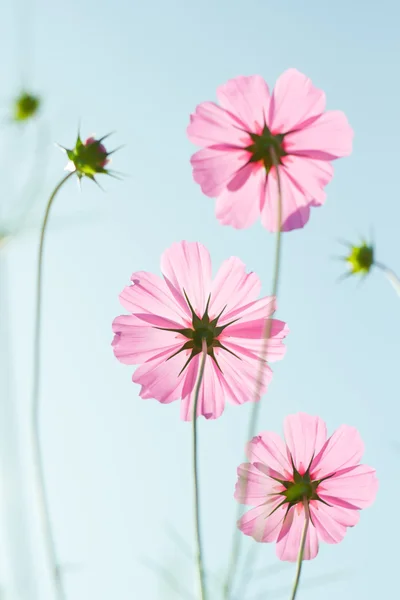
x: 391, y: 275
x: 301, y: 550
x: 199, y: 553
x: 37, y: 452
x: 256, y: 405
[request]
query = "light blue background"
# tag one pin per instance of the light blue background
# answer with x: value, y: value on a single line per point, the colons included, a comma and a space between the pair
x: 118, y: 467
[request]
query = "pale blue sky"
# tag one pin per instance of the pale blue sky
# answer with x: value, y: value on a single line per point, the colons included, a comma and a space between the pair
x: 118, y: 467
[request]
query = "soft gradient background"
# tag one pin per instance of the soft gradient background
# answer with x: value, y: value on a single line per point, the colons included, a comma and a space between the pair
x: 118, y: 467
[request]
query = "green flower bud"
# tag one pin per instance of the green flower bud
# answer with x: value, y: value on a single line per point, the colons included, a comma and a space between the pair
x: 26, y: 106
x: 88, y: 158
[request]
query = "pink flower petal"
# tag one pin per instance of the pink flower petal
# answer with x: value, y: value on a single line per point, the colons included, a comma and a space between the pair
x: 160, y: 378
x: 310, y: 175
x: 233, y: 288
x: 331, y: 522
x: 261, y: 523
x: 253, y: 486
x: 150, y: 295
x: 211, y: 400
x: 214, y: 168
x: 238, y: 204
x: 327, y: 138
x: 186, y: 266
x: 134, y: 343
x: 289, y: 539
x: 269, y: 448
x: 295, y: 205
x: 294, y: 101
x: 248, y: 338
x: 255, y: 328
x: 211, y: 124
x: 247, y: 98
x: 240, y: 377
x: 355, y: 487
x: 343, y: 449
x: 261, y: 308
x: 256, y: 350
x: 305, y: 435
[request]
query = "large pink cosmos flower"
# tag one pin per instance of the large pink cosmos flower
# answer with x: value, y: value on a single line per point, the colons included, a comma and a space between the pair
x: 170, y: 318
x: 240, y: 136
x: 309, y: 467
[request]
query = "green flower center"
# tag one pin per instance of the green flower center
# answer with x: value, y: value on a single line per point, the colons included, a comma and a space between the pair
x: 264, y: 146
x: 296, y: 492
x: 203, y: 329
x: 201, y: 333
x: 300, y: 489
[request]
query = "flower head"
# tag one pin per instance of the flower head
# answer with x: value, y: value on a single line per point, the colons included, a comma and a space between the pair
x: 171, y: 316
x: 360, y: 259
x: 305, y: 468
x: 250, y: 133
x: 25, y: 106
x: 88, y: 158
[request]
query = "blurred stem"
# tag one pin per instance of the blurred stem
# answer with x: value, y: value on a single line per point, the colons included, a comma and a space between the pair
x: 25, y: 23
x: 391, y: 275
x: 37, y: 452
x: 301, y: 551
x: 32, y: 187
x: 199, y: 552
x: 237, y: 537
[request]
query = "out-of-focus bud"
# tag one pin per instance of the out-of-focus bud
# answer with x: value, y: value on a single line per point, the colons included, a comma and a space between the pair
x: 26, y: 106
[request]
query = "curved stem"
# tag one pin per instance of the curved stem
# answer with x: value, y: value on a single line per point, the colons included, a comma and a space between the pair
x: 391, y: 275
x: 200, y: 564
x: 301, y: 551
x: 256, y: 405
x: 37, y: 453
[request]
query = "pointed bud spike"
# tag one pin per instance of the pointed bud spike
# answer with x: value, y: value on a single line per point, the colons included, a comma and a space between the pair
x: 105, y: 137
x: 61, y: 147
x: 116, y: 149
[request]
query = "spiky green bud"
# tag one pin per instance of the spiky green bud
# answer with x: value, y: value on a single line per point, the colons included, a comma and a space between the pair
x: 89, y: 158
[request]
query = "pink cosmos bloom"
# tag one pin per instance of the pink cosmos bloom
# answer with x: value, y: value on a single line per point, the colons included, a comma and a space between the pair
x: 236, y: 166
x: 309, y: 467
x: 171, y: 316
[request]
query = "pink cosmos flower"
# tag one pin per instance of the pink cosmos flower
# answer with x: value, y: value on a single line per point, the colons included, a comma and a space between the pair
x: 170, y: 317
x: 240, y: 136
x: 310, y: 468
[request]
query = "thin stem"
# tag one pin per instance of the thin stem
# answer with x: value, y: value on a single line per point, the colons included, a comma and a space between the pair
x: 37, y: 452
x: 301, y: 551
x: 391, y: 275
x: 256, y: 405
x: 199, y: 554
